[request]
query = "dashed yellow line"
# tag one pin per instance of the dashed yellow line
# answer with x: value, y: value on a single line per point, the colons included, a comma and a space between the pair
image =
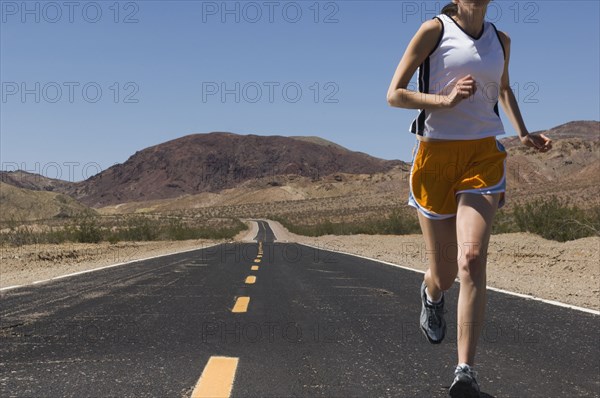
x: 217, y: 378
x: 218, y: 375
x: 241, y: 304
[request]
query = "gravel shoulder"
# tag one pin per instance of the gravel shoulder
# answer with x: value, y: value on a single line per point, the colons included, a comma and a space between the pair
x: 27, y: 264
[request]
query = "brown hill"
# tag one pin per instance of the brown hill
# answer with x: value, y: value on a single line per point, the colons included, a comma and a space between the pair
x: 34, y: 182
x: 317, y: 140
x: 212, y: 162
x: 20, y: 204
x: 588, y: 130
x: 570, y: 170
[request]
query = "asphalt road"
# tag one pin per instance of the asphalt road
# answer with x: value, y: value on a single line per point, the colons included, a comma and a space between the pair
x: 315, y: 324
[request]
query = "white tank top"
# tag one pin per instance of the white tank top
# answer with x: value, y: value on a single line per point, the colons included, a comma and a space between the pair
x: 456, y: 55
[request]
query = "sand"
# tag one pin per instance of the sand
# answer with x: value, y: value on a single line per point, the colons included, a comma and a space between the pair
x: 27, y: 264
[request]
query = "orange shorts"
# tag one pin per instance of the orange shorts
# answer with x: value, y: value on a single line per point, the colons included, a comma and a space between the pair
x: 443, y: 169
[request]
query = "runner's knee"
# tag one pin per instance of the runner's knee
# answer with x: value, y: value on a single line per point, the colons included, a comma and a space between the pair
x: 471, y: 265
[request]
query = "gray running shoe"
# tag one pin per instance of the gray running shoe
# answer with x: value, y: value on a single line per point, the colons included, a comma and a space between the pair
x: 433, y: 324
x: 465, y: 383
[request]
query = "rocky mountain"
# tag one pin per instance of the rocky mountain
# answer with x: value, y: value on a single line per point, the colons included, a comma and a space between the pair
x: 212, y: 162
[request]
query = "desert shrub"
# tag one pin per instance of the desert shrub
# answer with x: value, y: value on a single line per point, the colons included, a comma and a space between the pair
x: 84, y: 229
x: 223, y: 232
x: 504, y: 222
x: 139, y: 228
x: 556, y: 219
x: 398, y: 222
x: 113, y: 238
x: 55, y: 236
x: 94, y: 229
x: 401, y: 223
x: 175, y: 227
x: 17, y: 235
x: 177, y: 230
x: 20, y: 236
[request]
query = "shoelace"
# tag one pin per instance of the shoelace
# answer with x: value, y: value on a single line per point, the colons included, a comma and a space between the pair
x: 433, y: 319
x: 467, y: 370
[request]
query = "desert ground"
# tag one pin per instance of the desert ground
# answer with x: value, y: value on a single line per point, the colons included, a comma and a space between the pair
x: 567, y: 272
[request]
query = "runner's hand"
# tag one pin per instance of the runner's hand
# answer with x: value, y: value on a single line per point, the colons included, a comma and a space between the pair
x: 463, y: 89
x: 537, y: 141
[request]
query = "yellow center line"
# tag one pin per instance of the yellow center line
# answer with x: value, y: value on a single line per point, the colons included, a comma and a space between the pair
x: 241, y: 304
x: 257, y: 260
x: 251, y: 279
x: 254, y: 268
x: 217, y: 378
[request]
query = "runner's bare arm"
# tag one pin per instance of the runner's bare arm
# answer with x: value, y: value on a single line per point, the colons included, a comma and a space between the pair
x: 507, y: 97
x: 511, y: 107
x: 417, y: 51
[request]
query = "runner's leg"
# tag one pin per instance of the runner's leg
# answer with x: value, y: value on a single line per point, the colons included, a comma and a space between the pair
x: 473, y: 228
x: 441, y: 246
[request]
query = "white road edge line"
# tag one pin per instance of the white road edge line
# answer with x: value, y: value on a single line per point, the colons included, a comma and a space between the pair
x: 272, y: 230
x: 527, y: 296
x: 107, y: 266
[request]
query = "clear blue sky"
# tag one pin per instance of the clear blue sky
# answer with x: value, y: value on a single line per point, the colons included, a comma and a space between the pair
x: 158, y: 73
